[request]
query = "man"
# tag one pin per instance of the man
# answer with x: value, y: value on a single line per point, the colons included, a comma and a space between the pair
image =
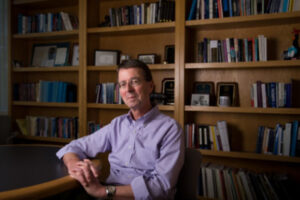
x: 147, y: 147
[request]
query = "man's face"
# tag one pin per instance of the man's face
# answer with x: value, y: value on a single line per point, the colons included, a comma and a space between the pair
x: 134, y: 90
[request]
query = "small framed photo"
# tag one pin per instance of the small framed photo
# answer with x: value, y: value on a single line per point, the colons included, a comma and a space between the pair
x: 227, y: 94
x: 170, y: 54
x: 107, y: 57
x: 200, y: 100
x: 168, y: 86
x: 148, y: 58
x: 75, y: 55
x: 201, y: 87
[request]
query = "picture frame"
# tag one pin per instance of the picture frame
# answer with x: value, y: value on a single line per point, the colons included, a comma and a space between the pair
x: 148, y: 58
x: 227, y: 94
x: 75, y: 55
x: 50, y: 55
x: 169, y: 54
x: 200, y: 99
x: 205, y: 87
x: 106, y: 57
x: 168, y: 86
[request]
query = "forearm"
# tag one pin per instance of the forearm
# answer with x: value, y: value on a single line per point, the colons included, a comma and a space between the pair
x: 124, y: 192
x: 70, y: 159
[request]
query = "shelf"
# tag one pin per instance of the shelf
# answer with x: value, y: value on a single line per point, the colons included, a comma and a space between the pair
x: 249, y: 110
x: 45, y: 104
x: 251, y: 156
x: 124, y: 107
x: 46, y: 35
x: 245, y: 65
x: 157, y: 27
x: 47, y: 69
x: 246, y: 21
x: 44, y: 139
x: 114, y: 68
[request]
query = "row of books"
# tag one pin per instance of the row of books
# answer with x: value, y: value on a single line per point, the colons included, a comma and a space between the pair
x: 108, y: 93
x: 219, y: 182
x: 58, y: 127
x: 93, y: 126
x: 46, y: 22
x: 209, y: 9
x: 214, y: 137
x: 146, y: 13
x: 45, y: 91
x: 271, y: 94
x: 233, y: 50
x: 281, y: 140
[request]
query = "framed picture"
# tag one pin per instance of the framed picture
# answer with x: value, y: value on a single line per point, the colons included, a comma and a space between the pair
x: 200, y: 100
x: 227, y: 94
x: 158, y: 98
x: 168, y: 86
x: 75, y: 55
x: 201, y: 87
x: 170, y: 53
x: 107, y: 57
x: 49, y: 55
x: 148, y: 58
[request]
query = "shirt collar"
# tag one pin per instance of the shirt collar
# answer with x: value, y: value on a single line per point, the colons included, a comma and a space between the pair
x: 144, y: 119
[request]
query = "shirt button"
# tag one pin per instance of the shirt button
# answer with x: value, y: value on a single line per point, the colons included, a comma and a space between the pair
x: 129, y: 147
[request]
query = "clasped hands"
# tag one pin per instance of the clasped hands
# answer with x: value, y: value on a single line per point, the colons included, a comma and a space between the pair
x: 87, y: 174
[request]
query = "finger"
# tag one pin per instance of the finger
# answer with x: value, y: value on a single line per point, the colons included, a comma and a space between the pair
x: 79, y: 175
x: 87, y: 173
x: 92, y: 167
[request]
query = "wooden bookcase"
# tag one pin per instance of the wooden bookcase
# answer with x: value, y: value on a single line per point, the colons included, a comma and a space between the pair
x: 243, y: 121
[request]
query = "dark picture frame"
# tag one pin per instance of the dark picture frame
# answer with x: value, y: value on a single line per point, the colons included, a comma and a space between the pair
x: 106, y: 57
x: 170, y: 54
x: 148, y: 58
x: 200, y: 99
x: 205, y: 87
x: 168, y: 86
x: 227, y: 94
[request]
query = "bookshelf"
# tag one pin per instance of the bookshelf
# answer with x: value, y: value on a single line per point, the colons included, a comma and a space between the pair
x: 243, y: 120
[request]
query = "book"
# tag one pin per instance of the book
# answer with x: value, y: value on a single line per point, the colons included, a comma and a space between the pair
x: 222, y: 128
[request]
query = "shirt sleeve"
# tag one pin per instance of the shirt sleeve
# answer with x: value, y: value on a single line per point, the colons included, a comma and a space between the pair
x: 88, y: 146
x: 161, y: 184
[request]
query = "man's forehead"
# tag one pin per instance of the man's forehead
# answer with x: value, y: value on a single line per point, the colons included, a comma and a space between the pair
x: 130, y: 73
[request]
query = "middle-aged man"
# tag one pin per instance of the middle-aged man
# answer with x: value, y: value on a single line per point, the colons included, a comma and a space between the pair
x: 147, y: 147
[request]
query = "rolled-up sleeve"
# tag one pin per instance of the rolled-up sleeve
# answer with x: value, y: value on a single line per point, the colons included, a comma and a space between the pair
x: 88, y: 146
x: 162, y: 181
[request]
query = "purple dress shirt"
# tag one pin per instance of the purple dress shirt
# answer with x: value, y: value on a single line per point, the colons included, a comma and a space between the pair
x: 147, y: 153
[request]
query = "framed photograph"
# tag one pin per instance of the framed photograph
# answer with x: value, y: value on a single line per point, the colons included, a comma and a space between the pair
x: 49, y: 55
x: 201, y: 87
x: 107, y: 57
x: 158, y: 98
x: 75, y: 55
x: 227, y: 94
x: 148, y: 58
x: 168, y: 86
x: 170, y: 54
x: 200, y: 100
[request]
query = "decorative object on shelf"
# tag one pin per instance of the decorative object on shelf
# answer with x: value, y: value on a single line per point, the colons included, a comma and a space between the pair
x: 293, y: 52
x: 200, y: 100
x: 106, y: 22
x: 169, y: 54
x: 168, y: 86
x: 75, y: 55
x: 158, y: 98
x: 17, y: 63
x: 49, y: 55
x: 107, y: 57
x: 148, y: 58
x: 204, y: 88
x: 227, y: 94
x: 124, y: 57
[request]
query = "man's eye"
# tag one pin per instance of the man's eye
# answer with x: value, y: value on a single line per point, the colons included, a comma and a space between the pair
x: 122, y: 84
x: 135, y: 82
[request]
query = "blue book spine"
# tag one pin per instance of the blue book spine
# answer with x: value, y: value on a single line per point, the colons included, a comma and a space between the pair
x: 275, y: 149
x: 294, y: 137
x: 20, y: 19
x: 288, y: 95
x: 260, y: 137
x: 273, y: 94
x: 285, y: 5
x: 225, y: 8
x: 230, y: 8
x: 193, y: 10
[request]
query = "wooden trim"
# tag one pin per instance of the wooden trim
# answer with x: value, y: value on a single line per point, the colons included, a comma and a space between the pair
x: 44, y: 104
x: 47, y: 69
x: 46, y: 34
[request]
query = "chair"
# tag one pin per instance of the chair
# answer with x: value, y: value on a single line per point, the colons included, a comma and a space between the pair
x: 187, y: 185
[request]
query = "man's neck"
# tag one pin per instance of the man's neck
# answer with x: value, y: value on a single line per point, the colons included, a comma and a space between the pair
x: 138, y: 113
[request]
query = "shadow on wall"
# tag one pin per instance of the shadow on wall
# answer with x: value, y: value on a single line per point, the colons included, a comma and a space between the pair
x: 4, y: 129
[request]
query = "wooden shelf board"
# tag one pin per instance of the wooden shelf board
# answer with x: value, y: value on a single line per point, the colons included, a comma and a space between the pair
x: 123, y: 106
x: 114, y: 68
x: 44, y: 104
x: 46, y: 34
x: 44, y: 139
x: 243, y: 110
x: 47, y: 69
x: 253, y: 20
x: 245, y: 65
x: 251, y: 156
x: 129, y: 28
